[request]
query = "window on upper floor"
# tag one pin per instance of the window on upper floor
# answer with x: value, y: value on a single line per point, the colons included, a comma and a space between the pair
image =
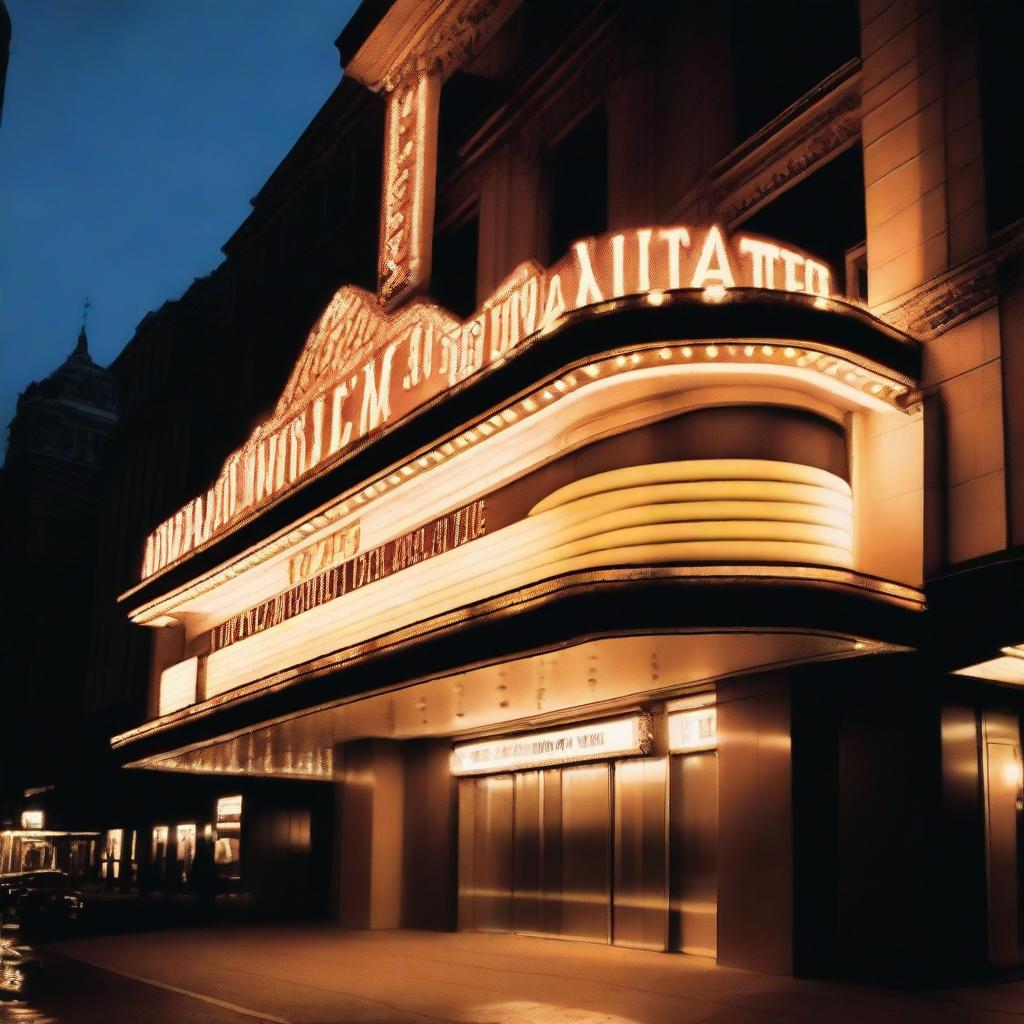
x: 782, y: 49
x: 453, y: 266
x: 823, y: 215
x: 575, y: 177
x: 1001, y: 79
x: 464, y: 99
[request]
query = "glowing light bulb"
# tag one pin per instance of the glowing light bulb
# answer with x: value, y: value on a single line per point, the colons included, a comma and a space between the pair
x: 655, y: 298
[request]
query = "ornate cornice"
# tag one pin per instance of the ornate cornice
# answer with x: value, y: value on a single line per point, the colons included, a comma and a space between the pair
x: 415, y: 39
x: 954, y: 297
x: 819, y: 126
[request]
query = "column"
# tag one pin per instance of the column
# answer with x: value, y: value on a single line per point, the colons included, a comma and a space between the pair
x: 370, y: 803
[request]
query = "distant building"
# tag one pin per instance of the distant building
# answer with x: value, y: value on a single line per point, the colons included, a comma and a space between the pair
x: 50, y: 492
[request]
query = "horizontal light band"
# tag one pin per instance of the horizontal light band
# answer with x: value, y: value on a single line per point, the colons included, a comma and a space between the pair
x: 706, y: 471
x: 643, y: 524
x: 178, y: 685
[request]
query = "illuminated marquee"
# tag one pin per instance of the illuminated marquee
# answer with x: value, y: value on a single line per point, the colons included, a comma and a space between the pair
x: 595, y: 741
x: 362, y: 369
x: 444, y: 534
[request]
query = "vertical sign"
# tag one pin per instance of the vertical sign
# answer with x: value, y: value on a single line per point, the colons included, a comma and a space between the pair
x: 410, y: 165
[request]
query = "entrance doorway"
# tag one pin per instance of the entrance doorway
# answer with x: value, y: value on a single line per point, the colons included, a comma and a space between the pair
x: 1004, y: 798
x: 622, y: 852
x: 693, y: 873
x: 535, y: 853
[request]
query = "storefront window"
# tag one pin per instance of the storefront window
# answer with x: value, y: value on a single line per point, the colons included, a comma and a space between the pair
x: 186, y: 847
x: 227, y: 849
x: 111, y: 866
x: 32, y: 819
x: 159, y: 848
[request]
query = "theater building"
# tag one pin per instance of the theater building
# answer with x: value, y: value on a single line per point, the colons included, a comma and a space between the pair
x: 635, y: 563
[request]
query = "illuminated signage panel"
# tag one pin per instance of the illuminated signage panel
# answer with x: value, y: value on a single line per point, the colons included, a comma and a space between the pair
x: 229, y: 813
x: 693, y: 730
x: 435, y: 538
x: 32, y: 820
x: 595, y: 741
x: 363, y: 369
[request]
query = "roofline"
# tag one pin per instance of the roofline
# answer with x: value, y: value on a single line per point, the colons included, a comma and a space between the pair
x: 365, y: 19
x: 344, y: 102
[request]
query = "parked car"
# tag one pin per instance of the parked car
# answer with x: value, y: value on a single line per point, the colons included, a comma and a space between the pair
x: 40, y: 899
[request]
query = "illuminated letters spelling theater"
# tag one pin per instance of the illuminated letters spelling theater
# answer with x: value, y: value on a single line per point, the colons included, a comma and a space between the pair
x: 589, y: 603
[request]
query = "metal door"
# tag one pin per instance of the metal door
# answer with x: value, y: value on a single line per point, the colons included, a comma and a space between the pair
x: 485, y: 854
x: 528, y: 846
x: 640, y: 902
x: 693, y: 846
x: 586, y: 852
x: 1004, y: 790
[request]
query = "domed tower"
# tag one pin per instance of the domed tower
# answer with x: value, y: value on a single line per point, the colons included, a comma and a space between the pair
x: 67, y: 415
x: 50, y: 487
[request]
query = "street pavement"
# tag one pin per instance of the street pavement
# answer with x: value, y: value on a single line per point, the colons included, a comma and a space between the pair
x: 321, y: 975
x: 58, y: 990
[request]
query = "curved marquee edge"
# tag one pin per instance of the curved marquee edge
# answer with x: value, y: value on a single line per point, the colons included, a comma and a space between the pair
x: 829, y: 325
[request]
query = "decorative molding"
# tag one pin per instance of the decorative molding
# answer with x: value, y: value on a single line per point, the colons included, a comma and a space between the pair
x: 451, y: 43
x: 954, y: 297
x: 415, y: 39
x: 820, y: 125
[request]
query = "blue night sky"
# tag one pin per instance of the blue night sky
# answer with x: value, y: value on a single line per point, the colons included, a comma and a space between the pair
x: 134, y: 133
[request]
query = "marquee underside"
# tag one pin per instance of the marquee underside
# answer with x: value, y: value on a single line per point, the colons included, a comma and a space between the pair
x: 598, y: 677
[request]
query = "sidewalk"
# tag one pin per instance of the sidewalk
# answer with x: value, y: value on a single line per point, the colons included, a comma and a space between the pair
x: 307, y: 974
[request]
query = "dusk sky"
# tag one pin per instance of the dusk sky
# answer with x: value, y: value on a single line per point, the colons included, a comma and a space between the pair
x: 134, y: 133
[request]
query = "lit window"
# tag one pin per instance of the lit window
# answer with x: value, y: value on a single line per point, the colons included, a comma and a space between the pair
x: 32, y: 819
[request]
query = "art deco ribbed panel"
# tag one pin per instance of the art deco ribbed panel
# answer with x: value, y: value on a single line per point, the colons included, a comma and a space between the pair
x: 724, y: 511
